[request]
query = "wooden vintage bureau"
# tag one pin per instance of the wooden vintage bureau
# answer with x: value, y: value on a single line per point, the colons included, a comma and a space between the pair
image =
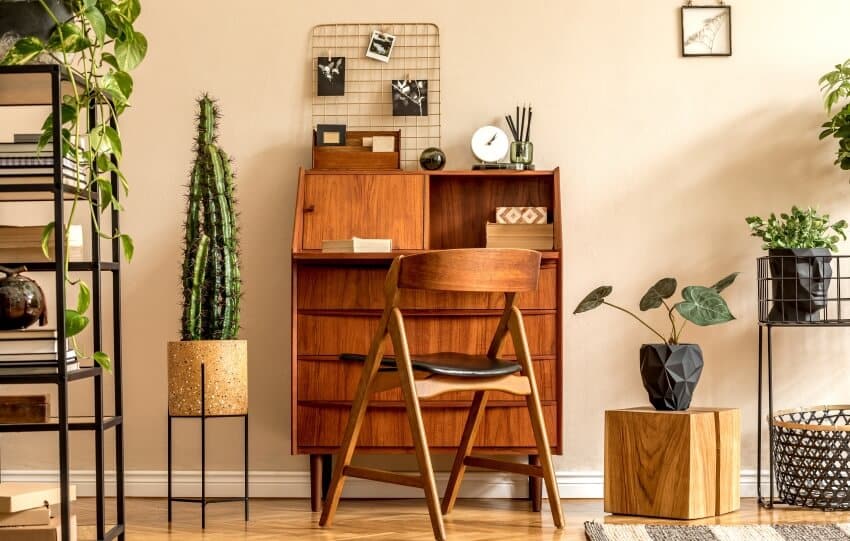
x: 337, y: 300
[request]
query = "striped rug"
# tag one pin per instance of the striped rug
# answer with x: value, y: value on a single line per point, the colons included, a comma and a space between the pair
x: 778, y: 532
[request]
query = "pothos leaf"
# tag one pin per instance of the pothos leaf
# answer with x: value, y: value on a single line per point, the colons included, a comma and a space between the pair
x: 24, y: 50
x: 83, y: 297
x: 45, y: 239
x: 127, y: 245
x: 103, y: 360
x: 75, y: 322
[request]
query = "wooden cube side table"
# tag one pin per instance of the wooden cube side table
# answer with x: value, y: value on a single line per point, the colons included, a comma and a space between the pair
x: 672, y: 464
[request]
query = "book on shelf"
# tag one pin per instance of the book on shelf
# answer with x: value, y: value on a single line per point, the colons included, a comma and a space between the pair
x: 40, y: 162
x: 38, y: 516
x: 23, y: 243
x: 527, y: 236
x: 27, y: 138
x: 357, y: 245
x: 33, y: 369
x: 16, y: 497
x: 52, y: 531
x: 22, y: 358
x: 28, y: 334
x: 19, y: 346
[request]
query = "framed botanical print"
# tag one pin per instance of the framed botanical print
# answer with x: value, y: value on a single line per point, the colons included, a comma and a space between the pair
x: 707, y: 30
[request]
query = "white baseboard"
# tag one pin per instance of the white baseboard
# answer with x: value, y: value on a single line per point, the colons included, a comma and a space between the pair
x: 296, y: 484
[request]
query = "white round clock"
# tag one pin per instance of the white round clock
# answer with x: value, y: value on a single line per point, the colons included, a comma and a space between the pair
x: 490, y: 144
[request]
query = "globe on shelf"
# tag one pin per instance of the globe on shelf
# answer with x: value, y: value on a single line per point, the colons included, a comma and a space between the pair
x: 432, y: 159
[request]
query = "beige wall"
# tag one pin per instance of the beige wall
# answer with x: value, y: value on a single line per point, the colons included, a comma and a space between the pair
x: 661, y: 158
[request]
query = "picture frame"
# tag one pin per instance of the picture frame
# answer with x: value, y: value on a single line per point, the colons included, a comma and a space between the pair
x: 330, y: 76
x: 380, y: 46
x: 410, y: 97
x: 706, y: 30
x: 330, y: 135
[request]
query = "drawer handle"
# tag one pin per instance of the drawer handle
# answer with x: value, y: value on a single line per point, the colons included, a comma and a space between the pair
x: 310, y: 208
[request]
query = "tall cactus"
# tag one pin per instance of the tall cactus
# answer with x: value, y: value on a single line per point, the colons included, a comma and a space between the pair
x: 211, y: 281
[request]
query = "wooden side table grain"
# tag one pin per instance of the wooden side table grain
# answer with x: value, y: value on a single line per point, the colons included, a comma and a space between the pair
x: 672, y: 464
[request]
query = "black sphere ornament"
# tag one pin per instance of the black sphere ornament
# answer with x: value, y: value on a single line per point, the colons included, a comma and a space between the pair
x: 670, y: 374
x: 432, y: 159
x: 21, y: 301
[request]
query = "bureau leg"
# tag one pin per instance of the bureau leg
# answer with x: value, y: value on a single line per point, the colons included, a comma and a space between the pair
x: 316, y: 483
x: 535, y: 486
x: 327, y: 472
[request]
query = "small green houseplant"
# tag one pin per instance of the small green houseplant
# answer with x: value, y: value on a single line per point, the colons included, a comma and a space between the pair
x: 670, y: 370
x: 98, y: 46
x: 799, y: 244
x: 211, y: 287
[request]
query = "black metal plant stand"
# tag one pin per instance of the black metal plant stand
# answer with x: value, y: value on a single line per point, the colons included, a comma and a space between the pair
x: 793, y: 291
x: 204, y: 500
x: 30, y: 92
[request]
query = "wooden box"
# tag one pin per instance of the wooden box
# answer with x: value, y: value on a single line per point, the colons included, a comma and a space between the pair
x: 354, y: 156
x: 24, y: 409
x: 672, y: 464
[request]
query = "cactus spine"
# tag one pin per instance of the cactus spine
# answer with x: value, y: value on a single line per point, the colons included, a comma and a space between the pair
x: 211, y: 279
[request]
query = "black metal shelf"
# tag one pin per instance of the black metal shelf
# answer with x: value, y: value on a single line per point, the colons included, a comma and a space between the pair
x: 74, y: 266
x: 788, y: 299
x: 44, y: 85
x: 74, y: 424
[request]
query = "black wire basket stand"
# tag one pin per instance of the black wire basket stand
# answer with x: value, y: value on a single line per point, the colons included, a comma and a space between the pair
x: 809, y: 448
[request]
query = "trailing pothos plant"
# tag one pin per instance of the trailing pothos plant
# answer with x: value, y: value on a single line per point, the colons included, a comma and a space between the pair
x: 835, y: 87
x: 700, y: 305
x: 97, y: 46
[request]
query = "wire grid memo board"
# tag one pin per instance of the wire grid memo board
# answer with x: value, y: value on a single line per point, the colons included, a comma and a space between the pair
x: 367, y: 103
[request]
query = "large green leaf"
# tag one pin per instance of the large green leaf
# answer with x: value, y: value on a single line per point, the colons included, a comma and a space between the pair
x: 23, y: 51
x: 97, y: 22
x: 75, y: 322
x: 130, y: 49
x: 703, y: 306
x: 593, y: 299
x: 68, y: 38
x: 663, y: 289
x: 725, y: 282
x: 103, y: 360
x: 105, y: 140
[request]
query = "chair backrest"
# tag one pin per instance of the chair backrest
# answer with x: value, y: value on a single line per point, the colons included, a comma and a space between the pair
x: 503, y: 270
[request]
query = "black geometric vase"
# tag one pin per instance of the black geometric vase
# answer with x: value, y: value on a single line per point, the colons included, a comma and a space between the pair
x: 670, y: 374
x: 800, y: 279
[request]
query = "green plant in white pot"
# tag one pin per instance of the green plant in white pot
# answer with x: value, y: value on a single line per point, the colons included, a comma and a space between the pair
x: 670, y: 369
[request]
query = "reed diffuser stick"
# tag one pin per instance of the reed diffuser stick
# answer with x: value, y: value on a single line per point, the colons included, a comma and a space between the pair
x: 528, y: 127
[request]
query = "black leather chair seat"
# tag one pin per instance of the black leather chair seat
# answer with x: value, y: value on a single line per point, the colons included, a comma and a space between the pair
x: 448, y: 364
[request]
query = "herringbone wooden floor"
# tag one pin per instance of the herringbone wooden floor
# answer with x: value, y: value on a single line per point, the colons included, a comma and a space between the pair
x: 392, y: 520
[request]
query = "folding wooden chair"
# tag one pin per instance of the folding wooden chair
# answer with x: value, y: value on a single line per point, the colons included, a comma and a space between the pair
x: 423, y: 376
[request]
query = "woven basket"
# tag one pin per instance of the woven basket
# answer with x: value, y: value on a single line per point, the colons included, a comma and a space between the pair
x: 811, y: 456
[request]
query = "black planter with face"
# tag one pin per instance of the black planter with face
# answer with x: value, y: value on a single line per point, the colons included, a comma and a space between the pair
x: 28, y: 17
x: 800, y: 279
x: 670, y: 374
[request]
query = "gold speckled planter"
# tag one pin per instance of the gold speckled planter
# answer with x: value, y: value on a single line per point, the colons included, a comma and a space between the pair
x: 226, y: 367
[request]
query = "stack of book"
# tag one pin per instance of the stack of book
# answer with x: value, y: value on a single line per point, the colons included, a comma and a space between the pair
x: 26, y: 513
x: 21, y: 162
x: 32, y: 352
x: 528, y: 236
x: 23, y: 244
x: 357, y: 245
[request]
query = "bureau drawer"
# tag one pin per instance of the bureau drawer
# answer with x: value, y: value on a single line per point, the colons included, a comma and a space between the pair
x: 339, y: 288
x: 335, y: 380
x: 503, y: 427
x: 332, y: 335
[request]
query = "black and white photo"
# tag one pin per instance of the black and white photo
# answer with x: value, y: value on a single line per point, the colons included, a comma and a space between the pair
x: 380, y: 46
x: 410, y: 97
x: 331, y: 76
x: 707, y: 30
x: 330, y: 135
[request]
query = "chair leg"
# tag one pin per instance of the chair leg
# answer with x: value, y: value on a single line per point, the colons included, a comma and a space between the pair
x: 476, y: 414
x: 417, y: 427
x: 352, y: 431
x: 537, y: 424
